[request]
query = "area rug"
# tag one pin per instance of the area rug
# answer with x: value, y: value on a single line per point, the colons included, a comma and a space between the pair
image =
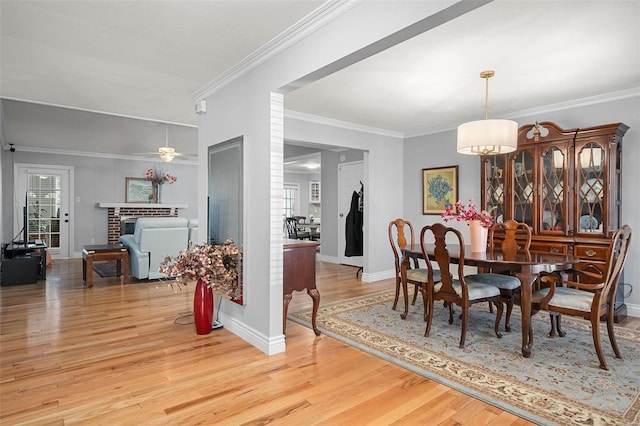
x: 560, y: 384
x: 106, y: 269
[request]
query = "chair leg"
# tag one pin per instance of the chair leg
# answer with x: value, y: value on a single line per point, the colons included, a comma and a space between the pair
x: 595, y: 332
x: 463, y: 335
x: 612, y: 336
x: 498, y: 318
x: 395, y: 300
x: 556, y: 327
x: 415, y: 294
x: 425, y: 301
x: 451, y: 313
x: 429, y: 301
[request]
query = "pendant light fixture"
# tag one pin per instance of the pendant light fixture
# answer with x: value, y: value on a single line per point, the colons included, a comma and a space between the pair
x: 486, y: 136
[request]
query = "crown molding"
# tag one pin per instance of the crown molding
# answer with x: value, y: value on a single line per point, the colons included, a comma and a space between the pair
x: 311, y: 23
x: 42, y: 150
x: 591, y: 100
x: 94, y: 111
x: 317, y: 119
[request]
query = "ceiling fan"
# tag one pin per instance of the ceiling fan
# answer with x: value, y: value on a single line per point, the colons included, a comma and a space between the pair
x: 167, y: 153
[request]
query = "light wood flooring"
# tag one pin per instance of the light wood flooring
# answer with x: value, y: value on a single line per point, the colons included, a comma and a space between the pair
x: 122, y: 354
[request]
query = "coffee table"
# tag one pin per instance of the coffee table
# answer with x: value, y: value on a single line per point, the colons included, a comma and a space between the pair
x: 99, y: 252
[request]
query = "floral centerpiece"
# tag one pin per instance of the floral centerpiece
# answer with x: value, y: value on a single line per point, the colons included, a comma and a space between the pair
x: 467, y: 214
x: 479, y: 222
x: 217, y: 266
x: 157, y: 178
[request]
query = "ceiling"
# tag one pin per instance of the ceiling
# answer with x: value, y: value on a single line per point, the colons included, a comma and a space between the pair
x: 145, y: 59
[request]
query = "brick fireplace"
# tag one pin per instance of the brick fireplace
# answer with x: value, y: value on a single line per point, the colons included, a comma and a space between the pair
x: 117, y: 211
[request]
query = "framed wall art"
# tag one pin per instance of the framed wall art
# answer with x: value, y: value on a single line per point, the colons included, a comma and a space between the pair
x: 439, y: 189
x: 138, y: 190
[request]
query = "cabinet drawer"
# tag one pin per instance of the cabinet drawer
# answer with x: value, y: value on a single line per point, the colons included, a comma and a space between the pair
x: 548, y: 248
x: 590, y: 252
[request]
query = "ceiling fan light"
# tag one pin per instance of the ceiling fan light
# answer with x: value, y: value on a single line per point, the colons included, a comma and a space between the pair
x: 167, y: 150
x: 166, y: 157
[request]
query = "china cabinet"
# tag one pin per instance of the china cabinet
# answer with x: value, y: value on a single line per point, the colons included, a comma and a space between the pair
x: 314, y: 192
x: 566, y: 185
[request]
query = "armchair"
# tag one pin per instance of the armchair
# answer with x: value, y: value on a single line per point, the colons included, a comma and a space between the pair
x: 153, y: 239
x: 590, y: 296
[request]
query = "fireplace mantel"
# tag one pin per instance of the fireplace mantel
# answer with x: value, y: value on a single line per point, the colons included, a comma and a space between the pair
x: 141, y: 206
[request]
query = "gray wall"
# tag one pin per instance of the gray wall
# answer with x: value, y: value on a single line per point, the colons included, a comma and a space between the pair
x: 97, y: 180
x: 439, y: 149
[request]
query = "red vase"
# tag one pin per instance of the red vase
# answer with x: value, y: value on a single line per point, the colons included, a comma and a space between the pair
x: 203, y: 308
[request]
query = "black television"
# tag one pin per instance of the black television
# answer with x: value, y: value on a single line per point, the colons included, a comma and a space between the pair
x: 25, y: 221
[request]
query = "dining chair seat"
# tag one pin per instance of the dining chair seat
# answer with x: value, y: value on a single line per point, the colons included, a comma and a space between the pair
x: 506, y: 282
x: 420, y: 274
x: 566, y: 297
x: 475, y: 290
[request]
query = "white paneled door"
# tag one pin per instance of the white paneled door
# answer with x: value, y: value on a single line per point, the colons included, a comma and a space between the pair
x: 45, y: 192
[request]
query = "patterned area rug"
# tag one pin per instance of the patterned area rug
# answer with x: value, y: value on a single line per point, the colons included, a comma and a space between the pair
x: 560, y: 384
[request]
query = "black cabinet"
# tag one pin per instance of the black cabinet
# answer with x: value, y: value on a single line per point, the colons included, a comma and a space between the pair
x: 23, y: 264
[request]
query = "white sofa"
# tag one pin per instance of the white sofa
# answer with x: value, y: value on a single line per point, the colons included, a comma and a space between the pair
x: 153, y: 239
x: 193, y: 230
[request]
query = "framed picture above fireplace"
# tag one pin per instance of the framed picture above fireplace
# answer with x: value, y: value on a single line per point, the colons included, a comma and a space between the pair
x: 138, y: 190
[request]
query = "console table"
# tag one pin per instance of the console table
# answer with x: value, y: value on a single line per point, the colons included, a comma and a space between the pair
x: 299, y: 273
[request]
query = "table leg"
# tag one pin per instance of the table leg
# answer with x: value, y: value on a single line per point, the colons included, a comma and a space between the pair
x: 285, y: 308
x: 526, y: 281
x: 125, y: 275
x: 403, y: 277
x: 89, y: 271
x: 315, y: 295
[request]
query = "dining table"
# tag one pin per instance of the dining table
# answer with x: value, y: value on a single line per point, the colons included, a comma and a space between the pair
x: 527, y: 266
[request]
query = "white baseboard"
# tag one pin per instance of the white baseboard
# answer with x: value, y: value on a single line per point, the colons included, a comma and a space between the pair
x: 328, y: 259
x: 633, y: 310
x: 378, y: 276
x: 268, y: 346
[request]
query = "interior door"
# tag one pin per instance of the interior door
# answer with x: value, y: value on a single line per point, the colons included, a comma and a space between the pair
x: 350, y: 178
x: 47, y: 193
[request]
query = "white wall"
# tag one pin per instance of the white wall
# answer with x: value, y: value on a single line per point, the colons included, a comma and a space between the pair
x: 439, y: 149
x: 246, y: 107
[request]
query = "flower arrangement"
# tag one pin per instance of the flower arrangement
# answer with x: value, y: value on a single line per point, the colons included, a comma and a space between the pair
x: 215, y: 265
x: 467, y: 213
x: 158, y: 177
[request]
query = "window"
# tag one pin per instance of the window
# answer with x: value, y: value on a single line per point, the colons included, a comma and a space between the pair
x: 43, y: 198
x: 290, y: 198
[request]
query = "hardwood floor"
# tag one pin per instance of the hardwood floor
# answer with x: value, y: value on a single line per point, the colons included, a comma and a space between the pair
x: 122, y: 354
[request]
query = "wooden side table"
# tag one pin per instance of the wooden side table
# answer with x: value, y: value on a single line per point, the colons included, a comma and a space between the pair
x: 100, y: 252
x: 299, y: 273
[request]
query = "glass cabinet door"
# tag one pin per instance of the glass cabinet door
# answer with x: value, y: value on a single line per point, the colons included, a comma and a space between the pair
x: 590, y: 187
x: 494, y: 196
x: 553, y: 183
x: 524, y: 186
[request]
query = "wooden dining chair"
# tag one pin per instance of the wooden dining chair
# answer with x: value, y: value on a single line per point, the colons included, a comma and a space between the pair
x: 510, y: 237
x: 417, y: 276
x: 455, y: 291
x: 590, y: 296
x: 294, y: 231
